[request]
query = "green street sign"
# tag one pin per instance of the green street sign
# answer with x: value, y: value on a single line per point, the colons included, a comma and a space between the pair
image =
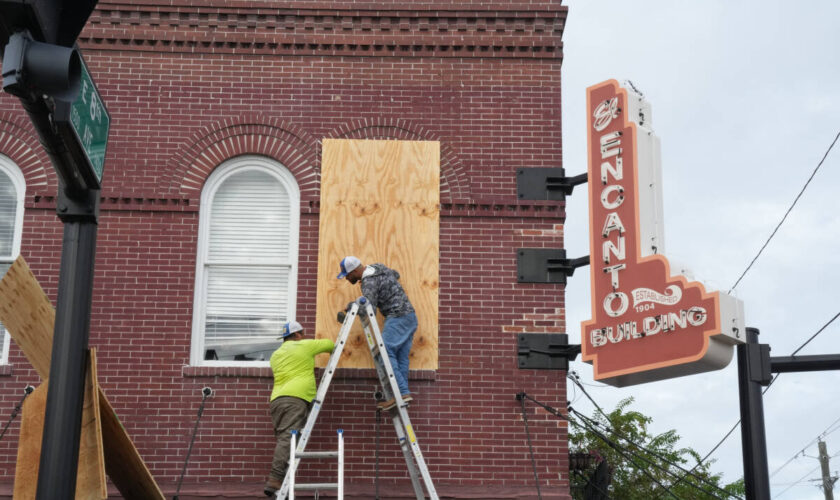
x: 91, y: 121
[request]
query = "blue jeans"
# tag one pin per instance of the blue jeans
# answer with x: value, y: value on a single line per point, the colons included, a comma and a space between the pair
x: 398, y: 335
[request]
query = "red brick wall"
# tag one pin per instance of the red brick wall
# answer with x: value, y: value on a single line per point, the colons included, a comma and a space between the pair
x: 189, y: 87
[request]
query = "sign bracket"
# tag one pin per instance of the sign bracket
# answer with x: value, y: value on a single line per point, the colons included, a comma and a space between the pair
x: 550, y: 183
x: 546, y: 265
x: 545, y: 351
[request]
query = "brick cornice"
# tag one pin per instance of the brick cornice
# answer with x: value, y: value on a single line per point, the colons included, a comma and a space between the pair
x: 259, y: 29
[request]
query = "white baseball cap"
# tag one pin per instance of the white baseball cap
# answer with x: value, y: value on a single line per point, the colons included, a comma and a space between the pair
x: 348, y: 264
x: 290, y: 328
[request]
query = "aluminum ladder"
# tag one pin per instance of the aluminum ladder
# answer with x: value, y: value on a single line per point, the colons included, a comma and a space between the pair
x: 338, y: 485
x: 417, y: 468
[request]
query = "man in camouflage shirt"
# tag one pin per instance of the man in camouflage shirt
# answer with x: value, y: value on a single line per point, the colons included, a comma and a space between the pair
x: 381, y: 286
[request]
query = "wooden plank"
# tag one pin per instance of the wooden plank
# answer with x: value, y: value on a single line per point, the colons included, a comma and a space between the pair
x: 28, y: 315
x: 125, y: 467
x: 29, y: 443
x: 90, y: 482
x: 90, y: 476
x: 380, y: 201
x: 29, y: 318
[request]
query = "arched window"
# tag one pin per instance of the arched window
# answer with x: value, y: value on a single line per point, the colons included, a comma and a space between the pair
x: 246, y: 274
x: 12, y: 192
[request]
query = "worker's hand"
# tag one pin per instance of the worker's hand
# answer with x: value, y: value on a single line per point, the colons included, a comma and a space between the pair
x: 341, y: 316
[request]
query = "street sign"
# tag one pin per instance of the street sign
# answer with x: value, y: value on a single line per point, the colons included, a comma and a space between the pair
x: 89, y: 121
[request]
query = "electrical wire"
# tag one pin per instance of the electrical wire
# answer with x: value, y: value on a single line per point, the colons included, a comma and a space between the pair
x: 786, y: 213
x: 657, y: 455
x: 590, y: 482
x: 797, y: 482
x: 687, y: 472
x: 617, y: 447
x: 725, y: 437
x: 815, y: 335
x: 802, y: 451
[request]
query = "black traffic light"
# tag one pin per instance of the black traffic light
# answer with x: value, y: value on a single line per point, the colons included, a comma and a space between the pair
x: 57, y: 22
x: 31, y: 68
x: 44, y: 68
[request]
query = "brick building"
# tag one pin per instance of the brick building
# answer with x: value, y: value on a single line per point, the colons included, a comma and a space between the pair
x: 207, y: 97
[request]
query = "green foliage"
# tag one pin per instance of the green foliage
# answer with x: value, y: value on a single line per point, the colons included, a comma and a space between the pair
x: 636, y: 471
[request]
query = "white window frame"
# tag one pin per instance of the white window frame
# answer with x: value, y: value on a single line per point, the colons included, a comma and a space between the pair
x: 13, y: 171
x: 214, y: 182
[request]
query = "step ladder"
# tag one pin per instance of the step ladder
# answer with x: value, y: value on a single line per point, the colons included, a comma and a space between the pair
x: 338, y: 485
x: 417, y: 469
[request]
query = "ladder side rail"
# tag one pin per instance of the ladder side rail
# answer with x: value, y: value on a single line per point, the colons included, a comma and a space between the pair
x: 290, y: 472
x: 320, y: 395
x: 388, y: 394
x: 375, y: 342
x: 340, y: 495
x: 409, y: 460
x: 401, y: 421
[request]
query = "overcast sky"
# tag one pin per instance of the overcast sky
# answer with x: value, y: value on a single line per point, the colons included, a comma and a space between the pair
x: 746, y: 101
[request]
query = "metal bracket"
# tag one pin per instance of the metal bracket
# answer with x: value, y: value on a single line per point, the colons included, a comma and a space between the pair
x: 546, y: 183
x: 545, y: 351
x: 759, y: 363
x: 82, y: 206
x: 546, y: 265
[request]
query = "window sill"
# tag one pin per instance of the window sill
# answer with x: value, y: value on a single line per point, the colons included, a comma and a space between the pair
x: 264, y: 372
x: 5, y: 370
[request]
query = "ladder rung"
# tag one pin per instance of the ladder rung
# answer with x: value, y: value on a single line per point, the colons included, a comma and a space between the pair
x: 317, y: 454
x: 316, y: 486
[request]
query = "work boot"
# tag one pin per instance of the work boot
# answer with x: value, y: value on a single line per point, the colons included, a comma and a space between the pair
x: 387, y: 405
x: 272, y: 486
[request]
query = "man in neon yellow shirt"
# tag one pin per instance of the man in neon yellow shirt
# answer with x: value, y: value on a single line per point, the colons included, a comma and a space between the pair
x: 293, y: 366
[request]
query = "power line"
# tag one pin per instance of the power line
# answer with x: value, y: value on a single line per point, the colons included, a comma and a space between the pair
x: 574, y: 377
x: 679, y: 479
x: 815, y: 335
x: 798, y: 481
x: 657, y: 455
x: 620, y: 451
x: 802, y: 451
x: 766, y: 388
x: 786, y: 213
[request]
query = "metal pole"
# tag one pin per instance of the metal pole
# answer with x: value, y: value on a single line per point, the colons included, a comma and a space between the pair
x: 65, y: 395
x: 827, y: 480
x: 753, y: 442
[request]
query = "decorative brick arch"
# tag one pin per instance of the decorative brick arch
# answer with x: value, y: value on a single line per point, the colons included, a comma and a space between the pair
x: 18, y: 143
x: 214, y: 144
x: 454, y: 182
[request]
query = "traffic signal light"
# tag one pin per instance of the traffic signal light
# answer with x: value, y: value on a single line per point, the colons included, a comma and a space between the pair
x: 32, y: 68
x: 44, y: 68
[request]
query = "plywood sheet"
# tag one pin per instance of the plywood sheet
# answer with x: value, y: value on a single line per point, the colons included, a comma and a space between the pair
x: 29, y: 318
x: 126, y: 469
x: 28, y: 315
x: 90, y: 477
x: 380, y: 201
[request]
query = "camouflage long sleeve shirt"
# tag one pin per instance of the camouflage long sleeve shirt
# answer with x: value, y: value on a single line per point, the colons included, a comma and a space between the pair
x: 383, y: 290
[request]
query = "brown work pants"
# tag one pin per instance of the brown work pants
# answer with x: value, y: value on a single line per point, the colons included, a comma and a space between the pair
x: 287, y: 413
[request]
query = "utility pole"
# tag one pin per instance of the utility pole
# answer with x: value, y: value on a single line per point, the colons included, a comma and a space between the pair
x: 827, y: 480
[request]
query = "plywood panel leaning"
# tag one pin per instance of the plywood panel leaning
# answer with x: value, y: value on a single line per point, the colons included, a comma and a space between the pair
x: 90, y: 478
x: 380, y: 201
x: 29, y: 318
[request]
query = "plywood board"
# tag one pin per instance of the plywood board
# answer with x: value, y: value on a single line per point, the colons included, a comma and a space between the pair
x: 90, y: 477
x: 380, y: 201
x: 29, y: 318
x: 126, y: 469
x: 28, y: 315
